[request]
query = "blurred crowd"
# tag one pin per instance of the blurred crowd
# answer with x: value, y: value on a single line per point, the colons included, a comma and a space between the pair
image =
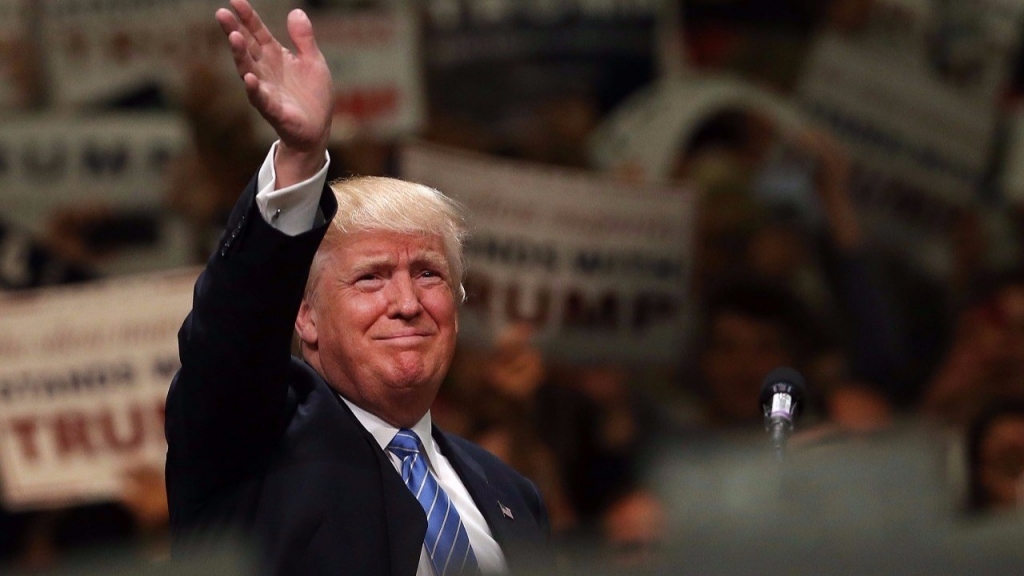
x: 880, y: 343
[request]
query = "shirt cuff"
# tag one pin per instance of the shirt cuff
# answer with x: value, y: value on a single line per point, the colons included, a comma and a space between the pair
x: 291, y: 210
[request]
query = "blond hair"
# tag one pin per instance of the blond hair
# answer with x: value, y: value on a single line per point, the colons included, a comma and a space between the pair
x: 371, y: 203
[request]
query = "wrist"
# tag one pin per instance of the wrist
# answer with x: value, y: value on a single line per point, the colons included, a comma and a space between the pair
x: 293, y: 166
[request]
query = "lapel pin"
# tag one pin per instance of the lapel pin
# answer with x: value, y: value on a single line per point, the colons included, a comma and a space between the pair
x: 506, y: 511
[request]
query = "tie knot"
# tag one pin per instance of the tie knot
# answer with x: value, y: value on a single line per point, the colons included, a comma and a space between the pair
x: 405, y: 443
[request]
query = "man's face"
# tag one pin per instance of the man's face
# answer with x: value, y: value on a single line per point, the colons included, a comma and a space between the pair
x: 384, y: 321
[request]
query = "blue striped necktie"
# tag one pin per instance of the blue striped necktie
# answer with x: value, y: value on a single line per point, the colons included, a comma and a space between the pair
x: 446, y: 540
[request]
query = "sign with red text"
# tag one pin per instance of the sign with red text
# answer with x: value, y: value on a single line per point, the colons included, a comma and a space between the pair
x: 913, y: 93
x: 97, y: 51
x: 599, y: 267
x: 84, y: 372
x: 17, y: 59
x: 374, y: 62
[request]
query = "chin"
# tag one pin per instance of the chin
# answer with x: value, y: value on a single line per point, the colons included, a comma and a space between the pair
x: 412, y: 378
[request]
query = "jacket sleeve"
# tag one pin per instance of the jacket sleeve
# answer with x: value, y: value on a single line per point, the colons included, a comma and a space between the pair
x: 228, y: 402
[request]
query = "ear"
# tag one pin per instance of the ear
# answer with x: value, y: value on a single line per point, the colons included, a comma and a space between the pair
x: 305, y: 324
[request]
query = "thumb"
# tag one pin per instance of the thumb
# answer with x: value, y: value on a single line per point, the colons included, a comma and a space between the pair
x: 300, y: 30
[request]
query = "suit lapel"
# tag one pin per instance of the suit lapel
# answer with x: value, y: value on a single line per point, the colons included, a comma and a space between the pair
x: 488, y: 498
x: 407, y: 524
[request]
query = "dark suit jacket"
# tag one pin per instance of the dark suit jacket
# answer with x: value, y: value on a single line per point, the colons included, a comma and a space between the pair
x: 258, y: 442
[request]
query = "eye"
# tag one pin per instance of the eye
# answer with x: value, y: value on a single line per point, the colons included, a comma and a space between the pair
x: 368, y: 281
x: 431, y: 275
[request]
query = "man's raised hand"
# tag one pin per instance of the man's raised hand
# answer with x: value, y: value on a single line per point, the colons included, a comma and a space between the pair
x: 291, y: 90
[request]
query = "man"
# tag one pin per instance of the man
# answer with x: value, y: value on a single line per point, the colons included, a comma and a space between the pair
x: 330, y: 463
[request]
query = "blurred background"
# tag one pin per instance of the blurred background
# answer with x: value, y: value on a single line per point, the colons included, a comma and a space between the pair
x: 667, y: 198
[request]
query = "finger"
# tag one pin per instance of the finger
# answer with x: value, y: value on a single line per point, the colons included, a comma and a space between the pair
x: 229, y: 24
x: 240, y: 52
x: 227, y: 20
x: 258, y: 94
x: 300, y: 30
x: 252, y: 22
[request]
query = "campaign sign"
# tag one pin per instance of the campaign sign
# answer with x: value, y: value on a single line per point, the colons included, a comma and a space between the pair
x: 599, y: 267
x: 84, y: 372
x: 374, y: 61
x: 913, y: 94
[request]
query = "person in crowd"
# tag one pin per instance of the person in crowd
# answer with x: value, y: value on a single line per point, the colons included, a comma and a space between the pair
x: 750, y: 328
x: 330, y: 463
x: 133, y: 528
x: 804, y: 238
x: 995, y: 457
x: 633, y: 530
x: 583, y: 429
x: 985, y: 360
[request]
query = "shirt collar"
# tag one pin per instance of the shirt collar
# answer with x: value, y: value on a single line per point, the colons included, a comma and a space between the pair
x: 383, y: 432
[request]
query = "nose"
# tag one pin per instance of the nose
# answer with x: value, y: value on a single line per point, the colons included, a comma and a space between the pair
x: 403, y: 298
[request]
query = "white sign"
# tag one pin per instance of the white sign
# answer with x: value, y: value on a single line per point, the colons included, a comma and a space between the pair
x: 375, y: 67
x: 50, y: 161
x: 100, y: 50
x: 16, y: 57
x: 914, y: 96
x: 84, y: 372
x: 599, y: 267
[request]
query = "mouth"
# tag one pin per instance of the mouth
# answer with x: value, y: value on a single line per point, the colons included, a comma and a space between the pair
x: 409, y: 338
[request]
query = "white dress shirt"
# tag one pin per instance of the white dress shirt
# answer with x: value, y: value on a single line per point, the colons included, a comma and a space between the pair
x: 293, y: 210
x: 488, y: 554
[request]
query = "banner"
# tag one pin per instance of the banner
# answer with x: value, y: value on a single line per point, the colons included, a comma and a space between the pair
x: 914, y: 94
x: 17, y: 60
x: 375, y: 67
x: 96, y: 51
x: 51, y: 161
x: 84, y: 372
x: 104, y: 177
x: 599, y: 267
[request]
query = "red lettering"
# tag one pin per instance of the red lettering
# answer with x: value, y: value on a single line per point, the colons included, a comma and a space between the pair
x: 25, y: 431
x: 121, y: 47
x: 115, y: 439
x: 71, y: 431
x: 161, y: 415
x: 367, y: 104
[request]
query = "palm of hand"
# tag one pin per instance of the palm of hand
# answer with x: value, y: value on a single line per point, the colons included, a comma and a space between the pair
x: 294, y: 95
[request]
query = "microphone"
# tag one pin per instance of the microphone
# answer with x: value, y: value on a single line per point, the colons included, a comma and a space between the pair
x: 782, y: 396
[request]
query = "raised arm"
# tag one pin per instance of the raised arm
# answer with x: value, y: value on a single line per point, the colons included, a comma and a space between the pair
x: 228, y: 403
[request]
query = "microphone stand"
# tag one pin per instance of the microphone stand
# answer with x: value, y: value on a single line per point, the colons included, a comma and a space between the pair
x: 779, y: 430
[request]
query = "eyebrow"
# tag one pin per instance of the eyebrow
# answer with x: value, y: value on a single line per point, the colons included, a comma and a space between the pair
x: 424, y: 258
x: 430, y: 258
